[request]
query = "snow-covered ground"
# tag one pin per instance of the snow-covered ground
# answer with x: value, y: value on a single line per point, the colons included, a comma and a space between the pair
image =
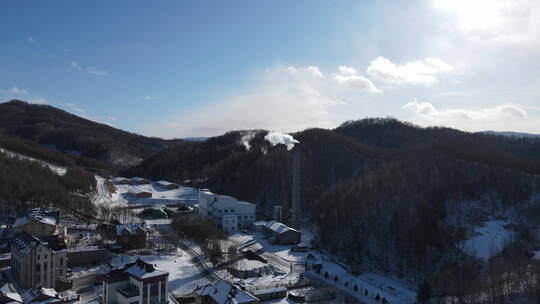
x: 393, y: 289
x: 184, y: 275
x: 160, y: 196
x: 488, y: 239
x: 54, y: 168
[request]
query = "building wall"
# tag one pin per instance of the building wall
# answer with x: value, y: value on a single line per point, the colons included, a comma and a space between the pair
x: 288, y: 237
x: 215, y: 207
x: 132, y: 241
x: 41, y: 266
x: 86, y: 257
x: 109, y: 291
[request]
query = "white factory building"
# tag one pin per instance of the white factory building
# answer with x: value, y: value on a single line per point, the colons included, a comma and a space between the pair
x: 225, y: 211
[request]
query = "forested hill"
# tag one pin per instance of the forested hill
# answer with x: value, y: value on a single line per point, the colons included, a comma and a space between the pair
x: 380, y: 191
x: 74, y: 135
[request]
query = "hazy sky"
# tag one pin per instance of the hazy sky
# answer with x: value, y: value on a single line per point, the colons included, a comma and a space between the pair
x: 199, y: 68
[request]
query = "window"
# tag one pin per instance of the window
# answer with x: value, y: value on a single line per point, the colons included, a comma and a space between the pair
x: 163, y: 291
x: 232, y: 210
x: 45, y: 267
x: 38, y: 267
x: 61, y: 261
x: 38, y: 257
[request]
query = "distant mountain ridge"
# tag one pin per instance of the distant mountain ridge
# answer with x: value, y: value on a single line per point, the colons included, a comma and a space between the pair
x: 511, y: 134
x: 71, y: 134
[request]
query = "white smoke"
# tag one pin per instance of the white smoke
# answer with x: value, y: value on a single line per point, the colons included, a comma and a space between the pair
x: 276, y: 138
x: 246, y: 139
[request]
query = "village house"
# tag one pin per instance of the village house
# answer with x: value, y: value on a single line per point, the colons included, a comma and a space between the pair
x: 138, y: 282
x: 227, y: 212
x: 167, y: 185
x: 280, y: 233
x: 223, y: 292
x: 38, y: 260
x: 131, y: 236
x: 140, y: 180
x: 136, y: 192
x: 121, y: 181
x: 38, y: 222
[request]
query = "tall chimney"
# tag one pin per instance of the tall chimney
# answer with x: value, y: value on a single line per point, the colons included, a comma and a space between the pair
x: 296, y: 199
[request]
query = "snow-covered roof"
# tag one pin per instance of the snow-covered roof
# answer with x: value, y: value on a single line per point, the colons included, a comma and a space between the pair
x: 165, y: 183
x: 278, y: 227
x: 8, y: 290
x: 139, y: 270
x: 37, y: 215
x: 119, y: 179
x: 223, y: 291
x: 139, y: 179
x: 23, y: 243
x: 131, y: 228
x: 135, y: 190
x: 142, y: 270
x: 31, y: 294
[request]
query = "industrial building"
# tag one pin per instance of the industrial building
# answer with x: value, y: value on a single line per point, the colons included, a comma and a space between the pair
x: 280, y: 233
x: 227, y: 212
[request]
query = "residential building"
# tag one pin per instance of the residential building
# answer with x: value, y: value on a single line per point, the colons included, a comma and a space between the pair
x: 40, y: 260
x: 136, y: 283
x: 131, y: 236
x: 225, y: 211
x: 38, y: 222
x: 280, y: 233
x: 223, y: 292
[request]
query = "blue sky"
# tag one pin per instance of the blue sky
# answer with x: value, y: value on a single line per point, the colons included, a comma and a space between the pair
x: 199, y: 68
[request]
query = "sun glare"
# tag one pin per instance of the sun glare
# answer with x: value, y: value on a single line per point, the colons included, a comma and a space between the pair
x: 474, y: 15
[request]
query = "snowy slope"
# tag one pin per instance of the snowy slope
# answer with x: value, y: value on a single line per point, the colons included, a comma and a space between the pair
x: 393, y: 289
x: 488, y: 239
x: 56, y: 169
x: 160, y: 196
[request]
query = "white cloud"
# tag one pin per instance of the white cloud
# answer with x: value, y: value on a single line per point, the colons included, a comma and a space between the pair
x: 511, y: 22
x: 279, y: 98
x: 349, y: 76
x: 38, y: 100
x: 75, y: 108
x: 148, y: 97
x: 416, y: 72
x: 89, y: 69
x: 94, y: 71
x: 15, y: 91
x: 31, y: 39
x: 463, y: 117
x: 76, y: 65
x: 277, y: 138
